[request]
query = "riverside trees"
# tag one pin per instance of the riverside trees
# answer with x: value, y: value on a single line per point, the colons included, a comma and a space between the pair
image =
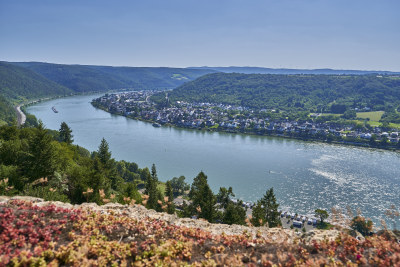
x: 266, y: 210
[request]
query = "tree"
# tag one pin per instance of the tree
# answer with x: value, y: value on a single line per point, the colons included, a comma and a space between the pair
x: 179, y: 185
x: 350, y: 114
x: 170, y: 194
x: 103, y: 152
x: 234, y: 214
x: 271, y: 208
x: 154, y: 172
x: 65, y: 133
x: 203, y: 199
x: 151, y: 191
x: 266, y: 210
x: 322, y: 214
x: 361, y: 225
x: 42, y: 159
x: 258, y: 214
x: 224, y: 196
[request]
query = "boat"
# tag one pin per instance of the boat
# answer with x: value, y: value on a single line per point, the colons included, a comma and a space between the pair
x: 156, y: 124
x: 54, y: 109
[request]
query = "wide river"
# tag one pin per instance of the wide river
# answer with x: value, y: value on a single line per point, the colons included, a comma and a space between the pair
x: 305, y: 176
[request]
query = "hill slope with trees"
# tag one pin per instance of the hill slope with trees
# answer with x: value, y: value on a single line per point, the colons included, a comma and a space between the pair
x: 19, y: 83
x: 86, y: 78
x: 329, y: 93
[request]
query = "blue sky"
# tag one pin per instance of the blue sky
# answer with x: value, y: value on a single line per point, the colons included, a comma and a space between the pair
x: 340, y: 34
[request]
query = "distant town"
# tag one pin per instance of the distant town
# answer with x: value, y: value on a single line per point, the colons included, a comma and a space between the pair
x: 238, y: 119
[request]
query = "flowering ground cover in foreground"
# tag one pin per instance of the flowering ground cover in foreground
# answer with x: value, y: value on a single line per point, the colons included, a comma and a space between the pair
x: 50, y: 235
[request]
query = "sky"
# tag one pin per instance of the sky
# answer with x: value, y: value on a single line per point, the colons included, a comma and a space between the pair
x: 339, y: 34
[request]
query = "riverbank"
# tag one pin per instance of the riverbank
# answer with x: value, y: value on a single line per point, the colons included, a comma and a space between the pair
x: 308, y: 138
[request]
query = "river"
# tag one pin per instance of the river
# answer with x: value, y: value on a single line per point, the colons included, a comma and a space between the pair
x: 305, y: 175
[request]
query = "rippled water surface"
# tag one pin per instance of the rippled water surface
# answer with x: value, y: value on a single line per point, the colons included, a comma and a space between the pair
x: 305, y: 176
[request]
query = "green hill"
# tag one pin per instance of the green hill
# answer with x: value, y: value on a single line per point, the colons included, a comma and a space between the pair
x: 85, y: 78
x: 18, y: 83
x: 292, y: 92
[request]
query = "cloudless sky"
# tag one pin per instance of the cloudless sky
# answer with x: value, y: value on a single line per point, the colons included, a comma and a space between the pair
x: 340, y: 34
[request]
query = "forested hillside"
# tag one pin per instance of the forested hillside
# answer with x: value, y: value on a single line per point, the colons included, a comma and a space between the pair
x: 18, y: 83
x: 7, y: 114
x: 85, y: 78
x: 31, y: 80
x: 330, y: 93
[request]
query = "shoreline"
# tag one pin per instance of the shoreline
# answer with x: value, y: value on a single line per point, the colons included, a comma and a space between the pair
x: 245, y: 133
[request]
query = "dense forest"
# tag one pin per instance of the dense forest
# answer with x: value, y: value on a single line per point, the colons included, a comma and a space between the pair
x: 18, y: 84
x: 85, y: 78
x: 314, y: 93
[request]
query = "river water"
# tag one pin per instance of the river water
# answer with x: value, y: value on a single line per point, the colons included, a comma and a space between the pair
x: 305, y: 175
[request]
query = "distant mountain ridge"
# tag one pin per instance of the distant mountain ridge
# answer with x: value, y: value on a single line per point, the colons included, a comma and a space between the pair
x: 261, y: 70
x: 87, y: 78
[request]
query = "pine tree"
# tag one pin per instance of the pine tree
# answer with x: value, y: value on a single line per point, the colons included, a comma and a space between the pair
x: 42, y: 159
x: 271, y: 208
x: 154, y: 172
x: 104, y: 153
x: 203, y: 199
x: 170, y: 194
x: 151, y: 191
x: 65, y: 133
x: 266, y: 211
x: 224, y: 196
x: 234, y: 214
x: 258, y: 214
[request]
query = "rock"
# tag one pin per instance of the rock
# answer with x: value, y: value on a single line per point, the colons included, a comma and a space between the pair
x: 55, y: 203
x: 114, y: 206
x: 4, y: 199
x: 357, y: 235
x: 389, y: 235
x: 28, y: 199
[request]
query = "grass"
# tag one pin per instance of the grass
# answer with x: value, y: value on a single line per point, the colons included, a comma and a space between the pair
x: 395, y: 125
x: 372, y: 115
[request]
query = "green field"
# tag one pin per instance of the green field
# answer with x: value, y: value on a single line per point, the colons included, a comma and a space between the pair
x: 372, y: 116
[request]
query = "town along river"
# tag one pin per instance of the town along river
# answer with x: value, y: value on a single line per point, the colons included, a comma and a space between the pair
x: 305, y: 175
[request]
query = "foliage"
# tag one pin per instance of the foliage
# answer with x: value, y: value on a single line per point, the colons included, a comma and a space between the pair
x: 65, y: 133
x: 81, y: 78
x: 360, y: 224
x: 291, y: 93
x: 224, y: 196
x: 266, y: 211
x: 59, y: 236
x: 169, y: 198
x: 322, y: 214
x: 179, y: 185
x: 41, y: 159
x: 234, y: 214
x: 151, y: 190
x: 18, y: 83
x: 203, y: 199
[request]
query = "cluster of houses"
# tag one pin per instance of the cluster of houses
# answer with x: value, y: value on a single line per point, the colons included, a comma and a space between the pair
x: 229, y: 118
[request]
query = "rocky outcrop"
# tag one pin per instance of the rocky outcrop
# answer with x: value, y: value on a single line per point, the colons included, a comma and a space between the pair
x: 139, y: 212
